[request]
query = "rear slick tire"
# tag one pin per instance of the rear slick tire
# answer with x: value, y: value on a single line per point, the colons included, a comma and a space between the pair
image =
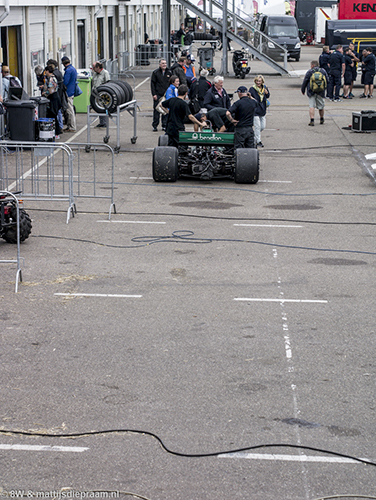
x: 247, y: 166
x: 165, y: 164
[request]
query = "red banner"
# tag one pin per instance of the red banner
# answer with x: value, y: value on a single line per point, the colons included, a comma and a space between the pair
x: 357, y: 9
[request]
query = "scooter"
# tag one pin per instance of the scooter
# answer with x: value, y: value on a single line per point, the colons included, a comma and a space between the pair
x: 240, y: 64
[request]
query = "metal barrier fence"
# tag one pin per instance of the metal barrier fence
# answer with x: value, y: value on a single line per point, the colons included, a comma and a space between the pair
x: 7, y: 196
x: 58, y: 172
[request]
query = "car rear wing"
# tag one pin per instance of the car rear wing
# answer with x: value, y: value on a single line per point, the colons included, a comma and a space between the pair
x: 206, y: 138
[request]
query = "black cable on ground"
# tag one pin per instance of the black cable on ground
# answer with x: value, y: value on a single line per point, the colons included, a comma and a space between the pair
x: 181, y: 454
x: 184, y: 236
x: 214, y: 217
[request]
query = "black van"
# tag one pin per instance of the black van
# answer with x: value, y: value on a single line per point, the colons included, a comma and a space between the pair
x: 284, y: 30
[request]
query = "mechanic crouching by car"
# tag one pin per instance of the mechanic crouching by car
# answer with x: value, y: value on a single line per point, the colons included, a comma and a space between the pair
x: 216, y: 96
x: 241, y: 113
x: 178, y: 110
x: 218, y: 118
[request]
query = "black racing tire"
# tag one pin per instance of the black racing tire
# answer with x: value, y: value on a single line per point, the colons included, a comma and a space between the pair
x: 165, y: 164
x: 127, y: 89
x: 105, y: 97
x: 130, y: 90
x: 163, y: 140
x: 242, y: 76
x: 197, y: 35
x: 10, y: 233
x: 247, y: 166
x: 297, y: 59
x: 120, y: 89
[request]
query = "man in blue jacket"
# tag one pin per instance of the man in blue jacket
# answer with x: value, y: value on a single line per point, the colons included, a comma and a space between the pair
x: 70, y: 81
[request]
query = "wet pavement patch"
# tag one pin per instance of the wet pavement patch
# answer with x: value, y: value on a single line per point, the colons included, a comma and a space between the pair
x: 294, y: 207
x: 337, y: 262
x: 341, y: 431
x: 209, y: 205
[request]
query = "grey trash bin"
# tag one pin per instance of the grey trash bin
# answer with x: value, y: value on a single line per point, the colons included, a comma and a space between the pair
x: 42, y: 105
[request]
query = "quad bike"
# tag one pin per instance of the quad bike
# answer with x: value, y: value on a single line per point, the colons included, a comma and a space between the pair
x: 8, y: 219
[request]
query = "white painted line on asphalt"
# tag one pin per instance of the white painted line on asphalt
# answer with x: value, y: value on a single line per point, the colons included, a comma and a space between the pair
x: 264, y: 225
x: 34, y: 447
x: 373, y: 165
x: 131, y: 222
x: 305, y: 301
x: 76, y: 134
x: 371, y: 156
x: 278, y: 182
x: 117, y: 296
x: 139, y: 85
x: 142, y: 178
x: 289, y: 458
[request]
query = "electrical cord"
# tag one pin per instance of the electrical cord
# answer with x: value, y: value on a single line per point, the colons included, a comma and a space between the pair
x: 344, y: 496
x: 181, y: 454
x: 214, y: 217
x: 184, y: 236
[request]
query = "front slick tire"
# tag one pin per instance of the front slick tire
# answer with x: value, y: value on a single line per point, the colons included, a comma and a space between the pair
x: 165, y: 164
x: 10, y: 234
x: 247, y: 166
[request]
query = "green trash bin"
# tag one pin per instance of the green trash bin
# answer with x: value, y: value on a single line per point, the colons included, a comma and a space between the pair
x: 82, y: 101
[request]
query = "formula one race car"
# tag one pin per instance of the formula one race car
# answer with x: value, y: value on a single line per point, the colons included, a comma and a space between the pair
x: 205, y: 155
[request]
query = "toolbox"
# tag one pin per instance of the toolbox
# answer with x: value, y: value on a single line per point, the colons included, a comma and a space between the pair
x: 364, y: 121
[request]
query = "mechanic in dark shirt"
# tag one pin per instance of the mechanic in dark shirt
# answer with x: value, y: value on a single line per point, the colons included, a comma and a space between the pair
x: 243, y: 111
x: 216, y: 96
x: 336, y: 71
x: 347, y: 77
x: 219, y: 119
x: 324, y: 58
x: 356, y: 58
x: 369, y: 68
x: 159, y: 83
x: 178, y: 110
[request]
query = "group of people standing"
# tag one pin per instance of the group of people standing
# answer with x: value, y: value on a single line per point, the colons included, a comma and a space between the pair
x: 333, y: 66
x: 343, y: 63
x: 60, y: 91
x: 246, y: 117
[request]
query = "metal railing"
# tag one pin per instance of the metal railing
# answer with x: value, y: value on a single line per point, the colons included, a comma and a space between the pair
x: 58, y: 172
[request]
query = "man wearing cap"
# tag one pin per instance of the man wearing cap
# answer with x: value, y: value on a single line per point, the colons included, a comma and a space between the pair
x: 70, y: 81
x: 242, y: 112
x: 190, y: 71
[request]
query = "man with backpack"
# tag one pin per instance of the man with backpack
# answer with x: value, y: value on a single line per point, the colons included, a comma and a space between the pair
x: 9, y: 81
x: 315, y: 82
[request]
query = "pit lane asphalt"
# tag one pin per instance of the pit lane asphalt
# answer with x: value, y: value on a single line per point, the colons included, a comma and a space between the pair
x: 178, y: 354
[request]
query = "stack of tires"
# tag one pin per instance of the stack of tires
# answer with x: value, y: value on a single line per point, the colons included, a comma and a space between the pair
x: 110, y: 95
x: 198, y: 35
